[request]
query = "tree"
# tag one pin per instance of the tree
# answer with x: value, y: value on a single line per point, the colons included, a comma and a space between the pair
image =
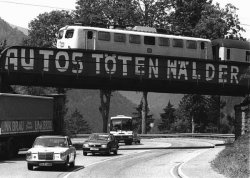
x: 200, y: 18
x: 195, y: 107
x: 75, y: 124
x: 167, y: 118
x: 137, y: 119
x: 42, y: 29
x: 105, y: 96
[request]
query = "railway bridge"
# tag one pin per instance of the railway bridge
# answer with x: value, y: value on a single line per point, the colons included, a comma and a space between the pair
x: 88, y: 69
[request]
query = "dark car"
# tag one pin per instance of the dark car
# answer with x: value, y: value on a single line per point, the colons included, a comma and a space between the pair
x: 103, y: 143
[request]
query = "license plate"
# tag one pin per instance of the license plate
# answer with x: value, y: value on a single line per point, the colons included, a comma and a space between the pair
x: 45, y: 164
x: 94, y: 148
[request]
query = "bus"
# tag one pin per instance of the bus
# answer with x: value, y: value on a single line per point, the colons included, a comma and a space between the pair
x: 121, y: 127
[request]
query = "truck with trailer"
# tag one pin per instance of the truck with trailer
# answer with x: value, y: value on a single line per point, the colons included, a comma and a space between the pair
x: 24, y: 117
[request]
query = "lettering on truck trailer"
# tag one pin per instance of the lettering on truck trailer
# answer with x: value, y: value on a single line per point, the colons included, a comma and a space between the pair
x: 7, y: 127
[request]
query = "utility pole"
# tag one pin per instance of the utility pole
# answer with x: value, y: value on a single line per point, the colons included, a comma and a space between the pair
x: 144, y: 112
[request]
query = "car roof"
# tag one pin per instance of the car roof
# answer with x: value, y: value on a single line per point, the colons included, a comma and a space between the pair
x: 100, y: 134
x: 52, y: 136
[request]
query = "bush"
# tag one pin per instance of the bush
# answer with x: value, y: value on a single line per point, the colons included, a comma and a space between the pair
x: 233, y: 161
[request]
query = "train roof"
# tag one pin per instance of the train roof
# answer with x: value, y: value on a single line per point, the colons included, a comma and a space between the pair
x: 230, y: 43
x: 134, y: 32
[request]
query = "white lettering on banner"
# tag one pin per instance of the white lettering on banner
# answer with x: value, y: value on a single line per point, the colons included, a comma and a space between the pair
x: 153, y: 69
x: 27, y: 65
x: 98, y: 58
x: 234, y: 72
x: 139, y: 65
x: 125, y: 60
x: 11, y: 60
x: 79, y: 64
x: 65, y: 60
x: 222, y: 73
x: 210, y: 68
x: 46, y: 54
x: 107, y: 63
x: 171, y: 71
x: 183, y: 69
x: 110, y: 64
x: 194, y: 73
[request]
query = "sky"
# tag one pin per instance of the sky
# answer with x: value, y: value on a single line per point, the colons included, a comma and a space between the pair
x: 21, y: 12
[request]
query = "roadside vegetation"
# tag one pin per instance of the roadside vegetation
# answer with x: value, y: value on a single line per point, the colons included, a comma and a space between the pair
x: 233, y: 161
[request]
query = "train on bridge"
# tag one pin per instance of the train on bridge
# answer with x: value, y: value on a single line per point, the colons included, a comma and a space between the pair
x: 137, y: 59
x: 146, y: 40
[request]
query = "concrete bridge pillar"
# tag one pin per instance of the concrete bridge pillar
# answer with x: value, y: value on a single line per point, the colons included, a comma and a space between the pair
x: 242, y: 117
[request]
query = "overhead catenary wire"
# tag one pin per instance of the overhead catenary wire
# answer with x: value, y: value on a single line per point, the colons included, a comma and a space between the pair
x: 54, y: 7
x: 35, y: 5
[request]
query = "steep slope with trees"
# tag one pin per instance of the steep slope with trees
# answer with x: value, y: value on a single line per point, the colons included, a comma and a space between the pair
x: 10, y: 36
x: 87, y: 102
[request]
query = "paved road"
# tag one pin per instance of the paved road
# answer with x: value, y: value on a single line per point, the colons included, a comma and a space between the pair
x: 141, y: 162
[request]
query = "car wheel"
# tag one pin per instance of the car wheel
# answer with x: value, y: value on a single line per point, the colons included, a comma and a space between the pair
x: 30, y: 166
x: 115, y: 152
x: 109, y: 151
x: 72, y: 164
x: 85, y: 153
x: 65, y: 166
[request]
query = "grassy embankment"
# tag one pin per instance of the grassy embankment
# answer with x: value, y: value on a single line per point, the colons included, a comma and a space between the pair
x: 233, y: 161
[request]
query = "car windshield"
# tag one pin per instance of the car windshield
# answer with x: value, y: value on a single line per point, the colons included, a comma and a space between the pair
x: 98, y: 137
x: 50, y: 142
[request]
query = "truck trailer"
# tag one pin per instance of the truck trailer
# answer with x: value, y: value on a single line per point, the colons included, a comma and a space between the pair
x: 24, y: 117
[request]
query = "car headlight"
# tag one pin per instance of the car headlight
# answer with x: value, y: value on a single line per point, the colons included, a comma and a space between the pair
x: 104, y: 146
x: 85, y: 145
x: 28, y: 155
x: 63, y: 154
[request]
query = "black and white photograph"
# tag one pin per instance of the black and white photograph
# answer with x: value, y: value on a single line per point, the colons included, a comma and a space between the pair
x: 124, y: 89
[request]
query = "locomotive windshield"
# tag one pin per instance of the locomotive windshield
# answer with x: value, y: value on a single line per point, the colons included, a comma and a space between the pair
x: 121, y: 124
x: 60, y: 34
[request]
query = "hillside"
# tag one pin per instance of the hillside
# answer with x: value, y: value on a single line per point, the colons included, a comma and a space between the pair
x: 156, y: 101
x: 88, y: 102
x: 12, y: 35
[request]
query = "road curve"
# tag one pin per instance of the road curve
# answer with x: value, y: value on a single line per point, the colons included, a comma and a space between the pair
x: 129, y: 163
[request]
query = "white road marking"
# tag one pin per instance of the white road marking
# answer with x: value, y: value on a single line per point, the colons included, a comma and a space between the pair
x: 66, y: 176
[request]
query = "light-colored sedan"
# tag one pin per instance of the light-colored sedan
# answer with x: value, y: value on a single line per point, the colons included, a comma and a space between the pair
x: 50, y: 151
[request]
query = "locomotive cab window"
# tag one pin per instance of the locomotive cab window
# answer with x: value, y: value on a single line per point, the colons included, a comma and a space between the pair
x: 119, y: 37
x: 178, y: 43
x: 191, y: 44
x: 69, y: 34
x: 104, y: 36
x: 60, y: 34
x: 164, y: 41
x: 149, y: 40
x: 135, y: 39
